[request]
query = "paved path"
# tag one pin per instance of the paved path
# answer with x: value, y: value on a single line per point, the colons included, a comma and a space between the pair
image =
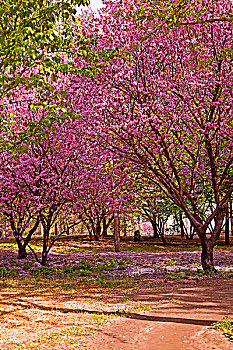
x: 177, y: 320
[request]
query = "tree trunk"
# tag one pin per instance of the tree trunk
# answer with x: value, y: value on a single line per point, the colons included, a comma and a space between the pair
x: 55, y: 229
x: 31, y: 231
x: 44, y: 260
x: 155, y: 229
x: 231, y: 217
x: 191, y: 231
x: 106, y: 225
x: 207, y: 259
x: 22, y: 254
x: 116, y: 233
x: 90, y: 232
x: 163, y: 236
x: 105, y: 228
x: 227, y: 227
x: 182, y: 233
x: 97, y: 231
x: 161, y: 229
x: 125, y: 227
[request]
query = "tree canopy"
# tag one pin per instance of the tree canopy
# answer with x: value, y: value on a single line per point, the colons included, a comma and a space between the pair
x: 164, y: 104
x: 33, y: 35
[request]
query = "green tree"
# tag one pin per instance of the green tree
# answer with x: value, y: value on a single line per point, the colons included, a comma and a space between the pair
x: 33, y: 36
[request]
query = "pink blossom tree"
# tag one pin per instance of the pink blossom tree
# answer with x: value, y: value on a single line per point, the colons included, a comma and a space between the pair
x: 65, y: 173
x: 19, y: 213
x: 163, y: 103
x: 103, y: 188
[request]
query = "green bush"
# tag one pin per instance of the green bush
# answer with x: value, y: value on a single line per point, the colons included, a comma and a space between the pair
x: 226, y: 326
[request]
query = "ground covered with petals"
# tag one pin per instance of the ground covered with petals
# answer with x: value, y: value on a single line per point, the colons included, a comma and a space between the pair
x: 82, y: 294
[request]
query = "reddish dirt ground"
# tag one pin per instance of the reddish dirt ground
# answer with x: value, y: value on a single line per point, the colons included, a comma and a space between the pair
x: 178, y: 319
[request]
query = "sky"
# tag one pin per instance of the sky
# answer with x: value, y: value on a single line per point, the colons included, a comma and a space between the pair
x: 95, y: 4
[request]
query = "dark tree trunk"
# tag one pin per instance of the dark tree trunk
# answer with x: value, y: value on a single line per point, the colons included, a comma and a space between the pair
x: 31, y: 231
x: 90, y: 232
x: 22, y: 254
x: 116, y: 233
x: 231, y: 217
x: 227, y: 228
x: 97, y: 231
x: 191, y: 231
x: 155, y: 229
x: 182, y: 233
x: 125, y: 227
x: 22, y: 243
x: 106, y: 225
x: 207, y: 260
x: 46, y: 227
x: 160, y: 227
x: 55, y: 229
x: 44, y: 261
x: 163, y: 236
x: 105, y: 228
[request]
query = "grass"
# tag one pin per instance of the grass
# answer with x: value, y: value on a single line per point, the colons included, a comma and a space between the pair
x: 155, y: 248
x: 226, y: 326
x: 12, y: 244
x: 83, y: 268
x: 6, y: 272
x: 178, y: 276
x: 113, y: 283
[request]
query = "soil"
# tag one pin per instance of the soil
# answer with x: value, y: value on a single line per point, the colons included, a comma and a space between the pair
x: 178, y: 319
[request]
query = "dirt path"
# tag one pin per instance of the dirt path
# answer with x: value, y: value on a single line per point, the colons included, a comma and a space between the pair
x: 177, y: 320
